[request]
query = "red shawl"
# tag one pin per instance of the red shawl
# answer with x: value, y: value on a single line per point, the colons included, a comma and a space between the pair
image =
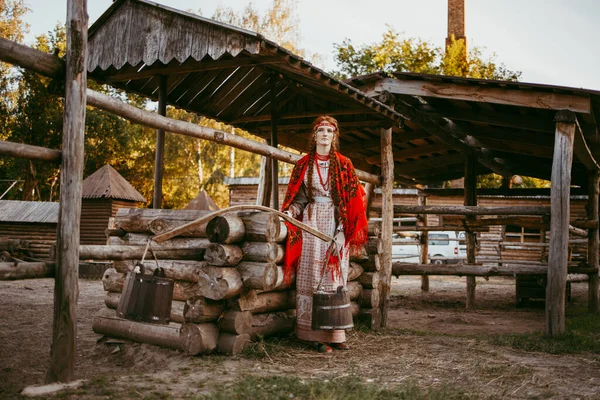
x: 352, y: 212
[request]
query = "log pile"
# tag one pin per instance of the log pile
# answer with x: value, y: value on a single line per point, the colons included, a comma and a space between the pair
x: 228, y: 279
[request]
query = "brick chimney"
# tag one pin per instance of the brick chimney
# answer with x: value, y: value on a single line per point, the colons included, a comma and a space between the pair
x: 456, y: 20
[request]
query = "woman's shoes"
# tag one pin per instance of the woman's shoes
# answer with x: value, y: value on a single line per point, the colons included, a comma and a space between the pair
x: 322, y: 347
x: 340, y: 346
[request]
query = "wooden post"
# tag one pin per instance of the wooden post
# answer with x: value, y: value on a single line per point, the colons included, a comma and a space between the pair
x: 424, y: 257
x: 593, y: 239
x: 64, y: 328
x: 263, y: 195
x: 370, y: 191
x: 470, y: 200
x: 559, y: 222
x: 387, y: 215
x: 159, y: 161
x: 274, y: 166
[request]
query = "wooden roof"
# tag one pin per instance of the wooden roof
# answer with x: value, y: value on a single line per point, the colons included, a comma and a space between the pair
x: 512, y: 121
x: 28, y: 211
x: 202, y: 202
x: 107, y: 183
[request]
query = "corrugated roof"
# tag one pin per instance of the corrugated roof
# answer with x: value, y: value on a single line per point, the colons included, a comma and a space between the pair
x: 108, y: 183
x: 28, y: 211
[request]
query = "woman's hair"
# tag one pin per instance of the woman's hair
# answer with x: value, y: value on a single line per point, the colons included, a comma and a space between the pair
x: 333, y: 162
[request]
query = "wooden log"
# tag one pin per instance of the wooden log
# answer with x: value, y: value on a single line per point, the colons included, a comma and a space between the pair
x: 371, y: 317
x: 470, y: 199
x: 354, y: 290
x: 159, y: 152
x: 280, y: 283
x: 236, y: 322
x: 559, y: 224
x: 273, y: 324
x: 199, y: 309
x: 63, y: 350
x: 355, y: 271
x: 372, y: 263
x: 424, y: 243
x: 178, y: 270
x: 160, y: 225
x: 226, y: 229
x: 371, y: 298
x: 585, y: 223
x: 374, y: 246
x: 264, y: 227
x: 374, y: 229
x: 232, y: 345
x: 114, y: 232
x: 139, y: 219
x: 111, y: 300
x: 472, y: 210
x: 477, y: 270
x: 218, y: 283
x: 263, y: 252
x: 49, y: 65
x: 223, y: 255
x: 198, y: 338
x: 141, y: 239
x: 260, y: 276
x: 25, y: 270
x: 263, y: 302
x: 29, y: 152
x: 593, y: 242
x: 118, y: 253
x: 354, y: 308
x: 360, y: 255
x: 113, y: 281
x: 369, y: 280
x: 387, y: 213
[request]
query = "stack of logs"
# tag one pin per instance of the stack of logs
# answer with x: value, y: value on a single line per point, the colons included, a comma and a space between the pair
x: 15, y: 262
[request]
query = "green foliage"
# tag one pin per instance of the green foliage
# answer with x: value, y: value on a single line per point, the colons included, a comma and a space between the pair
x: 397, y: 54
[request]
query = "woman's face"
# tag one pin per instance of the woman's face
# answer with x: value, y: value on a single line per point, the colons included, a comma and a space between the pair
x: 324, y: 135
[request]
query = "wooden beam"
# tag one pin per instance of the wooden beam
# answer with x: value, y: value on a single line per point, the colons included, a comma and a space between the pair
x: 20, y: 150
x: 424, y: 249
x: 424, y: 164
x: 579, y: 103
x: 414, y: 152
x: 196, y: 67
x: 559, y: 224
x: 582, y: 151
x: 63, y: 351
x: 470, y: 200
x: 508, y: 269
x: 472, y: 210
x: 387, y: 214
x: 306, y: 114
x: 274, y: 143
x: 593, y: 242
x: 159, y: 159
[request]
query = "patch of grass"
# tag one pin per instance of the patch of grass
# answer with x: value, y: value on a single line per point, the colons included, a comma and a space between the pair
x: 347, y: 388
x: 582, y: 335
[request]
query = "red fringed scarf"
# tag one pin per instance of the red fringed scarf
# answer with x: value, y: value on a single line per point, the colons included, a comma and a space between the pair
x: 352, y: 211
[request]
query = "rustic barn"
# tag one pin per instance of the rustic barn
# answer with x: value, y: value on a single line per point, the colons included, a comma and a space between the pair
x: 244, y: 190
x: 104, y: 192
x: 33, y: 222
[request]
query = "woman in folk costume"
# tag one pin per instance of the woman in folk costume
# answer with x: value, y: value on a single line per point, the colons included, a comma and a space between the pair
x: 324, y: 193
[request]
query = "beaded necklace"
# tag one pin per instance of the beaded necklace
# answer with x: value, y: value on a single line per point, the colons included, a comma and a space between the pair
x: 324, y: 185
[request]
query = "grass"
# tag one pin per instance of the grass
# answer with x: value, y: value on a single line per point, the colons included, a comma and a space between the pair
x: 582, y: 335
x: 347, y: 388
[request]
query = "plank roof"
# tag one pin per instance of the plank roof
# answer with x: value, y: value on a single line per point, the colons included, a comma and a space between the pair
x: 107, y: 183
x: 28, y: 211
x: 202, y: 202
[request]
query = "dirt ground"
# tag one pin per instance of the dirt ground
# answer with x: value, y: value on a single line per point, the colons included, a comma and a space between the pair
x: 430, y: 341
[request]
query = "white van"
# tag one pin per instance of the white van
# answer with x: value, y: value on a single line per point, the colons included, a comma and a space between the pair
x: 444, y: 248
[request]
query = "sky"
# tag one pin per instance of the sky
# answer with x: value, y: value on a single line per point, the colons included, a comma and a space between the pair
x: 554, y: 42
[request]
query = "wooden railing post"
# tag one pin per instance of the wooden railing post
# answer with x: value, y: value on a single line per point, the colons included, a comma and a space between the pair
x: 593, y: 239
x: 424, y: 251
x: 470, y: 200
x: 64, y: 328
x: 159, y: 160
x: 274, y: 143
x: 559, y: 223
x: 387, y: 217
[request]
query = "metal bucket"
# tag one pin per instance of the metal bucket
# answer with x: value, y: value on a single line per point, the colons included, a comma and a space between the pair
x: 146, y: 298
x: 331, y: 310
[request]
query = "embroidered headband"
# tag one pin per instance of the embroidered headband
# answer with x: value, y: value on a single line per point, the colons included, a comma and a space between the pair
x: 325, y: 123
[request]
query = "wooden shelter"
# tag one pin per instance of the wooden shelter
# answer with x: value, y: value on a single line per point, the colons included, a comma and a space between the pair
x: 202, y: 202
x: 103, y: 193
x: 391, y: 130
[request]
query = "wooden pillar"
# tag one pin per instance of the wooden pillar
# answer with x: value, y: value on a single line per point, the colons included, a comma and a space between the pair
x: 593, y: 239
x: 370, y: 191
x: 66, y: 290
x: 424, y: 256
x: 159, y: 160
x: 470, y: 200
x: 263, y: 195
x: 387, y: 217
x: 274, y: 143
x: 559, y: 223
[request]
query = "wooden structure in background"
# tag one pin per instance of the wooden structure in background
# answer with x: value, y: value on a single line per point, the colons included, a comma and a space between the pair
x: 103, y: 193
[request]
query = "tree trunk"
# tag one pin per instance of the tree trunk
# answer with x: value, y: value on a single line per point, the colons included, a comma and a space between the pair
x: 232, y: 345
x: 372, y: 263
x: 470, y: 200
x: 280, y: 282
x: 374, y: 246
x: 264, y: 227
x: 138, y: 219
x: 263, y: 252
x: 264, y: 302
x: 272, y: 324
x: 198, y: 338
x: 141, y: 239
x: 200, y: 309
x: 355, y: 271
x: 113, y: 281
x: 218, y: 283
x: 226, y: 229
x: 223, y: 255
x: 25, y: 270
x: 118, y: 253
x: 593, y: 242
x: 236, y: 322
x: 260, y: 276
x: 178, y: 270
x: 160, y: 225
x: 370, y: 280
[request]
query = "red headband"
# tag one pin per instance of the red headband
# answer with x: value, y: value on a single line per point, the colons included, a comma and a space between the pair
x: 325, y: 123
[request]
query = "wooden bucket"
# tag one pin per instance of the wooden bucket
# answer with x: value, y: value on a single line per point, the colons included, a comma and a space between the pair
x: 146, y: 298
x: 331, y: 310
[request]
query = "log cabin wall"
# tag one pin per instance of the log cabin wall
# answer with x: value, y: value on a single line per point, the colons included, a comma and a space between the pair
x: 39, y: 236
x: 95, y: 214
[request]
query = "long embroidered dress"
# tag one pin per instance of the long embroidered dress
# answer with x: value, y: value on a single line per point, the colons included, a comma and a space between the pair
x: 319, y: 215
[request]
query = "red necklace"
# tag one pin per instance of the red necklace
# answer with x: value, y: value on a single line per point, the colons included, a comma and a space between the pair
x: 322, y: 158
x: 326, y: 184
